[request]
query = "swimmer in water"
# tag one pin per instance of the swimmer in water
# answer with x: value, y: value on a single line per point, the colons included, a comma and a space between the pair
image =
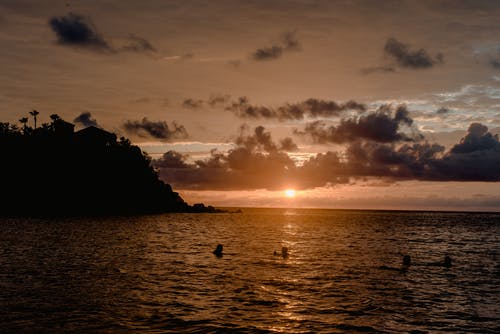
x: 284, y: 252
x: 447, y: 261
x: 218, y: 250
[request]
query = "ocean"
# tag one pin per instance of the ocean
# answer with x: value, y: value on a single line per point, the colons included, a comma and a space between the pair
x: 343, y: 273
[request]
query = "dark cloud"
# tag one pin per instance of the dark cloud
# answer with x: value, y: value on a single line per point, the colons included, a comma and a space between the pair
x: 155, y: 129
x: 418, y: 59
x: 172, y: 159
x: 257, y: 162
x: 261, y: 140
x: 192, y: 103
x: 381, y: 126
x: 85, y: 119
x: 475, y: 158
x: 477, y: 139
x: 242, y: 108
x: 312, y: 108
x: 77, y: 30
x: 378, y: 69
x: 287, y: 144
x: 327, y: 108
x: 287, y: 42
x: 218, y: 99
x: 138, y: 44
x: 74, y: 29
x: 290, y: 41
x: 269, y: 53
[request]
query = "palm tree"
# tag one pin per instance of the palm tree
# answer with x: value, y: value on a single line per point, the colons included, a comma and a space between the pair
x: 55, y: 117
x: 34, y: 113
x: 24, y: 121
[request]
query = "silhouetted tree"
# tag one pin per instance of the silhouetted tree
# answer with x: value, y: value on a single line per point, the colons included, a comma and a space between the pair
x: 24, y: 121
x: 7, y: 129
x: 47, y: 126
x: 34, y: 113
x: 54, y: 117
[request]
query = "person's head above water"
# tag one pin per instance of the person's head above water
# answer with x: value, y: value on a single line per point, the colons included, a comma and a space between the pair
x: 284, y: 251
x: 406, y: 260
x: 218, y: 250
x: 447, y: 261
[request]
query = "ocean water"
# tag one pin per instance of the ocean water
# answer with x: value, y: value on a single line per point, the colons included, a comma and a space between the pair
x: 157, y: 274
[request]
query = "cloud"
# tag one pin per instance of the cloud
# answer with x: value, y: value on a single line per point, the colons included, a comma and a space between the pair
x: 272, y: 52
x: 75, y: 30
x: 381, y: 126
x: 85, y: 119
x: 475, y: 158
x: 257, y: 162
x: 155, y: 129
x: 310, y: 108
x: 290, y: 41
x: 138, y: 44
x: 418, y: 59
x: 287, y: 144
x: 287, y: 42
x: 217, y: 99
x: 326, y: 108
x: 378, y: 69
x: 261, y: 141
x: 192, y: 103
x: 477, y: 139
x: 172, y: 159
x: 313, y: 108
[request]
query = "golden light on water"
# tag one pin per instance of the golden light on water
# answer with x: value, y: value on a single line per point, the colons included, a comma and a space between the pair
x: 290, y: 193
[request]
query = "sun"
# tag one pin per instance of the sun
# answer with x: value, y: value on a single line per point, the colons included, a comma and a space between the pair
x: 290, y: 193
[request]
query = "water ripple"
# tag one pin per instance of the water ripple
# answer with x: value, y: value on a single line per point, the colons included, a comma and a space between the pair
x: 157, y: 274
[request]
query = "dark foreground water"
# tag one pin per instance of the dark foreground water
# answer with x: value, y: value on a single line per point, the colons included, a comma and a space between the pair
x: 158, y: 273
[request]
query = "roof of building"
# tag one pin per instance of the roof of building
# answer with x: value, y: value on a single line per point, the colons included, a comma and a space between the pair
x: 93, y: 132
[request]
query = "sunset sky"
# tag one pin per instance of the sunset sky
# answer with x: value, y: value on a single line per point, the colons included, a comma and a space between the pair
x: 352, y: 104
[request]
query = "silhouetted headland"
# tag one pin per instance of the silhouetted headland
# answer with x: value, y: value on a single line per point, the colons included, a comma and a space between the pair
x: 53, y: 170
